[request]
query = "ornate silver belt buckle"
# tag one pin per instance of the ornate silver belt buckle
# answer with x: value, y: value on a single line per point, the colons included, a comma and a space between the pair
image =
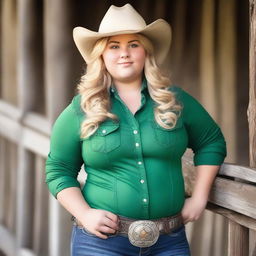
x: 143, y: 233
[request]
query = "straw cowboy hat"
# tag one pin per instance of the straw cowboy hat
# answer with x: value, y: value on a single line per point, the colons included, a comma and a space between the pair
x: 125, y: 20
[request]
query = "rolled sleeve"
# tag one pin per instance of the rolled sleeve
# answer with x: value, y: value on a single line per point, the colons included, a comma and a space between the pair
x: 204, y: 135
x: 64, y: 159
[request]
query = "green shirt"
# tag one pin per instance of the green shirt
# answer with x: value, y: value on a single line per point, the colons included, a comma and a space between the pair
x: 133, y: 166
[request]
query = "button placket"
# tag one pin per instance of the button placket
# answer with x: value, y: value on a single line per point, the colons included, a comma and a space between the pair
x: 138, y: 150
x: 141, y: 168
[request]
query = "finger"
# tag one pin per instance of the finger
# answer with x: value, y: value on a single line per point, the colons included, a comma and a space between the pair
x: 107, y: 230
x: 112, y: 216
x: 109, y: 223
x: 100, y: 235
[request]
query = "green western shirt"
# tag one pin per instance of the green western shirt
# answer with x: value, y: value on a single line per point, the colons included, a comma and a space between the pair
x: 133, y: 166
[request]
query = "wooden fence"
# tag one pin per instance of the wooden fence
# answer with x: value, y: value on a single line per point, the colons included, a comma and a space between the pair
x: 31, y: 221
x: 233, y: 195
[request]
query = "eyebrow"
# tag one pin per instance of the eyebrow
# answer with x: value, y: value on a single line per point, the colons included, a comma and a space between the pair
x: 116, y: 42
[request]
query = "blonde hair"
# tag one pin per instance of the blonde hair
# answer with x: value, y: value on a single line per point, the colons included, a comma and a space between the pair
x: 95, y: 83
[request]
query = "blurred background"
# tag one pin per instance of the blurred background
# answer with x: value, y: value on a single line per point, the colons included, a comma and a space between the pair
x: 39, y: 69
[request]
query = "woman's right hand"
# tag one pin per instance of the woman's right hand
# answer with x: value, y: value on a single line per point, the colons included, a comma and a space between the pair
x: 98, y: 222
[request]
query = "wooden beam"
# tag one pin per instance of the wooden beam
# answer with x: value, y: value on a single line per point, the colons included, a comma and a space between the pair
x: 252, y: 92
x: 240, y: 219
x: 226, y: 73
x: 234, y: 195
x: 25, y: 198
x: 60, y: 87
x: 30, y: 61
x: 207, y: 58
x: 238, y: 238
x: 237, y: 171
x: 238, y: 196
x: 40, y: 244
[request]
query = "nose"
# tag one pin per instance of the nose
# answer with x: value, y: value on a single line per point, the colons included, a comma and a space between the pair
x: 124, y: 53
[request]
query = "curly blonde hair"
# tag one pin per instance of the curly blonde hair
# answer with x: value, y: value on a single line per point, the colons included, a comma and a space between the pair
x: 95, y: 83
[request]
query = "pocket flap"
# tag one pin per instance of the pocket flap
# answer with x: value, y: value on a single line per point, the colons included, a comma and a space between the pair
x: 107, y: 128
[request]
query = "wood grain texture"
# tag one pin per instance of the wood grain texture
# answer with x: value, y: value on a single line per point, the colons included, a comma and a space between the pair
x: 252, y: 91
x: 238, y: 238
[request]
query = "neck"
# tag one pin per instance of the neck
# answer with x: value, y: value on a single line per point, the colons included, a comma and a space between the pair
x: 128, y: 86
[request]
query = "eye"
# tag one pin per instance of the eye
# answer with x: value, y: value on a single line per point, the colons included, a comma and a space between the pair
x: 114, y: 46
x: 134, y: 45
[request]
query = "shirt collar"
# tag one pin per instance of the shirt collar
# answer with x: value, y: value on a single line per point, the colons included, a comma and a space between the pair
x: 144, y: 86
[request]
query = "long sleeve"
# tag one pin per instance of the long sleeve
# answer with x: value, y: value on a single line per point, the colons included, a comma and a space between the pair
x: 204, y: 135
x: 64, y: 159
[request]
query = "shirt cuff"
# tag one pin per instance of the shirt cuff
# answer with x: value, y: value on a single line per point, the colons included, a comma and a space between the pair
x: 208, y: 158
x: 55, y: 186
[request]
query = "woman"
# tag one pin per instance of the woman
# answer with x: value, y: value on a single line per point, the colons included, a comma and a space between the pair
x: 130, y: 128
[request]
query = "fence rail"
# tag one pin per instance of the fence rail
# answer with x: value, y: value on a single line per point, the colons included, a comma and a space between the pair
x: 233, y: 196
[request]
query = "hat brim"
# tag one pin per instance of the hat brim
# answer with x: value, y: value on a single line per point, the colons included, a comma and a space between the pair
x: 158, y: 32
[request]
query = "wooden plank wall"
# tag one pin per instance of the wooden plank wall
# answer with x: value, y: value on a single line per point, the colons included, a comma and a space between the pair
x: 39, y: 69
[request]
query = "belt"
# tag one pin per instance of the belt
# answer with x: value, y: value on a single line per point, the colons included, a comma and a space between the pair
x: 144, y: 233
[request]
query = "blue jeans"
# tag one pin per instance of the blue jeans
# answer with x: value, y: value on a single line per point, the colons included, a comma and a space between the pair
x: 84, y: 243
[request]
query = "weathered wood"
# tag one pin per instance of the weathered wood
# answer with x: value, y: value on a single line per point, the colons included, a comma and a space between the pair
x: 238, y: 218
x: 2, y: 178
x: 12, y: 186
x: 58, y: 55
x: 10, y: 110
x: 207, y: 65
x: 252, y: 91
x: 252, y: 242
x: 234, y: 195
x: 25, y: 197
x: 252, y: 99
x: 36, y: 142
x: 226, y: 74
x: 238, y: 171
x: 10, y: 129
x: 59, y: 81
x: 238, y: 240
x: 40, y: 245
x: 8, y: 242
x: 9, y: 52
x: 231, y: 170
x: 38, y: 123
x: 29, y: 63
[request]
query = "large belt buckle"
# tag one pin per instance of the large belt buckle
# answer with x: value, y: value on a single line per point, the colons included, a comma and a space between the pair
x: 143, y: 233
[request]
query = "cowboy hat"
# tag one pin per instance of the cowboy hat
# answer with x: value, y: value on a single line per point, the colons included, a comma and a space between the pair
x: 125, y: 20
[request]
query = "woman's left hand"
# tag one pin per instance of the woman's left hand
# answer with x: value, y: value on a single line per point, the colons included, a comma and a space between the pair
x: 193, y: 209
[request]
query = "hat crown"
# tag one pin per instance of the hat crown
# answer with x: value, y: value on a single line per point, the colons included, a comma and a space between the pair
x: 121, y: 19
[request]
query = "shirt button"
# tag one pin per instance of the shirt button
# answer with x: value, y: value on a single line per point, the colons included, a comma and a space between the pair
x: 139, y: 162
x: 135, y: 131
x: 145, y: 200
x: 142, y: 181
x: 137, y: 144
x: 104, y: 131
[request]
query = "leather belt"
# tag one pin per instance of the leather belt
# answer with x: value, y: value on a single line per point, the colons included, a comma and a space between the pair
x: 144, y: 233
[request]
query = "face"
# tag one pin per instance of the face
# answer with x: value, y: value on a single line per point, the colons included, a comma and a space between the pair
x: 124, y: 58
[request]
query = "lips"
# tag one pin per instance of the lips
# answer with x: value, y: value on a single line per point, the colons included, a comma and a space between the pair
x: 128, y: 63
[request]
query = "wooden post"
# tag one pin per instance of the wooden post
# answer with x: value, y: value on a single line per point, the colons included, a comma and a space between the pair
x: 59, y: 70
x: 41, y: 209
x: 252, y: 95
x: 252, y: 91
x: 207, y: 68
x: 226, y: 74
x: 237, y: 235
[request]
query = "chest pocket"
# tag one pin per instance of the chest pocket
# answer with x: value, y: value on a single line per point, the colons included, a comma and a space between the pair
x: 106, y: 138
x: 167, y: 138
